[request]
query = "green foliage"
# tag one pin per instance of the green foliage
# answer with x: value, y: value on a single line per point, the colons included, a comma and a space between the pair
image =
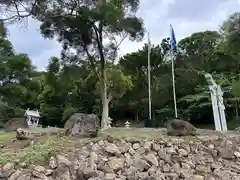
x: 67, y: 113
x: 18, y: 112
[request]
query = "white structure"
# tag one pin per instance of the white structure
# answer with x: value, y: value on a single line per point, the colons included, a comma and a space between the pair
x: 109, y: 122
x: 32, y: 117
x: 217, y: 104
x: 127, y: 124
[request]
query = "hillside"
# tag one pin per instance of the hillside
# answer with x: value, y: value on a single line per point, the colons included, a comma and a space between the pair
x: 121, y: 154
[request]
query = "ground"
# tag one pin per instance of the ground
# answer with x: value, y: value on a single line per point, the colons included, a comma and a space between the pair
x: 45, y: 145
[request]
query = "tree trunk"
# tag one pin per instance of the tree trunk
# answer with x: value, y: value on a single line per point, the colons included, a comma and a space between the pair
x: 105, y: 103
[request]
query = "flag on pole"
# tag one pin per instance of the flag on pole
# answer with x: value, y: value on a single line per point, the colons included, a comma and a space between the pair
x: 173, y: 40
x: 173, y: 50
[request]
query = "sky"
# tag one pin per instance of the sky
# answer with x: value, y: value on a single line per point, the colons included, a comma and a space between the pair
x: 186, y: 17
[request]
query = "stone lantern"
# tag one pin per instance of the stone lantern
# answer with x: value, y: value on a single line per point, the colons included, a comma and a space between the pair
x: 127, y: 124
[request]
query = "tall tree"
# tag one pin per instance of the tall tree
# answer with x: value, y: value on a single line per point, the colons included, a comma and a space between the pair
x: 91, y: 28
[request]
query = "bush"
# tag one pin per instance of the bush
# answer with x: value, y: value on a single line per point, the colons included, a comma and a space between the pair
x: 154, y: 123
x: 18, y: 112
x: 68, y: 112
x: 6, y: 113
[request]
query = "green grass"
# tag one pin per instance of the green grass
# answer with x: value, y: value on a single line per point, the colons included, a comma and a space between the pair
x: 41, y: 150
x: 37, y: 154
x: 6, y: 135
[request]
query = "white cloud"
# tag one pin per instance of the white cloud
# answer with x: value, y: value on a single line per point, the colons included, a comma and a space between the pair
x: 186, y: 16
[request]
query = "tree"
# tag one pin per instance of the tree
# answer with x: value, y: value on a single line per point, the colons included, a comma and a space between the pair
x: 17, y: 90
x: 85, y: 26
x: 231, y: 33
x: 54, y: 94
x: 117, y: 83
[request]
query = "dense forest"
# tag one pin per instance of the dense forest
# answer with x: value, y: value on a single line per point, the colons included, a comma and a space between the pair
x: 72, y: 84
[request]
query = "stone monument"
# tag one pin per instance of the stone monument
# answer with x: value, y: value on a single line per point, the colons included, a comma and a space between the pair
x: 127, y: 124
x: 217, y: 104
x: 109, y: 122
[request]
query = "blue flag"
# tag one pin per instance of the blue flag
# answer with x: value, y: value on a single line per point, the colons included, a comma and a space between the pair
x: 173, y: 40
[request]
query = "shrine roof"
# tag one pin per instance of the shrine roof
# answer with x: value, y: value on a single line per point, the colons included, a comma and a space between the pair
x: 32, y: 113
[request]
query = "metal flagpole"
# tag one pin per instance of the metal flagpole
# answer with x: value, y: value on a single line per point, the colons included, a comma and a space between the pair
x: 173, y: 76
x: 149, y: 79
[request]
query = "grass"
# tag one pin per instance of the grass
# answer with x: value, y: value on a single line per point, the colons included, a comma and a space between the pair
x: 6, y: 135
x: 39, y: 152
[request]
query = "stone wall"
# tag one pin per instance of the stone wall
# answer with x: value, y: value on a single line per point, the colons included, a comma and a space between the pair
x: 193, y: 158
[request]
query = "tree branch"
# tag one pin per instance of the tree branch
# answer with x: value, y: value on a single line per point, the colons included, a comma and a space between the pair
x: 91, y: 59
x: 117, y: 44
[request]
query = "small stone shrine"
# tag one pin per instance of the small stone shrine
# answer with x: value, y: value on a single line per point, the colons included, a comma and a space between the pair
x: 32, y: 117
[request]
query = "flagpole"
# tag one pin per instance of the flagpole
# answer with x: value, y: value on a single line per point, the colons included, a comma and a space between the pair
x: 149, y: 79
x: 173, y: 78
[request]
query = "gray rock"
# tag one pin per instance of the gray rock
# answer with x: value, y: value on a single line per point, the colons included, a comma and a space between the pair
x: 15, y: 123
x: 177, y: 127
x: 151, y: 159
x: 112, y: 149
x: 116, y: 163
x: 80, y: 124
x: 22, y: 134
x: 7, y: 170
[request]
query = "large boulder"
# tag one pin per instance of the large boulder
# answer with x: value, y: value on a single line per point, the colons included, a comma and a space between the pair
x: 15, y: 123
x: 80, y: 124
x: 177, y: 127
x: 22, y: 134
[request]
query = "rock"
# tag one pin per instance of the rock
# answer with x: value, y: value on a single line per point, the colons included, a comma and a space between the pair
x: 110, y: 176
x: 143, y: 175
x: 142, y: 165
x: 53, y: 162
x: 156, y: 147
x: 183, y: 152
x: 237, y: 154
x: 151, y: 159
x: 39, y: 175
x: 198, y: 177
x: 62, y: 160
x: 170, y: 159
x: 62, y: 171
x: 124, y: 147
x: 136, y: 146
x: 116, y: 163
x: 95, y: 178
x: 177, y: 127
x: 15, y: 123
x: 93, y: 159
x: 203, y: 169
x: 147, y: 145
x: 15, y: 175
x: 82, y: 124
x: 89, y: 173
x: 209, y: 177
x: 7, y: 170
x: 40, y: 169
x: 131, y: 151
x: 113, y: 149
x: 22, y: 134
x: 225, y: 153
